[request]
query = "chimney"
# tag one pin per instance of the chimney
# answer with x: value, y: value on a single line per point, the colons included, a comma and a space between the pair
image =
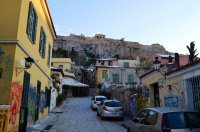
x: 177, y: 62
x: 170, y: 60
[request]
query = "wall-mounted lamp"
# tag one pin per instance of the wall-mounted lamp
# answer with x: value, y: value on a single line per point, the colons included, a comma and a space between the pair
x: 28, y: 63
x: 157, y: 64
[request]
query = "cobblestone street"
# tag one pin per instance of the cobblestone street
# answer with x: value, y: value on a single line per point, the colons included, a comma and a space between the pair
x: 77, y: 116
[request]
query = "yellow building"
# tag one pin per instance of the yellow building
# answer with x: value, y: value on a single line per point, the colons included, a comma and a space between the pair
x: 102, y: 68
x: 175, y: 88
x: 64, y: 63
x: 153, y: 82
x: 26, y: 35
x: 70, y: 86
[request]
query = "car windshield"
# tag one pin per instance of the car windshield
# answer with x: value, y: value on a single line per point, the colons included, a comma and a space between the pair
x: 100, y: 98
x: 113, y: 104
x: 180, y: 120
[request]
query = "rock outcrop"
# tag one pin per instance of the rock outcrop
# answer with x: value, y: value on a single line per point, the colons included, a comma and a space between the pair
x: 100, y: 46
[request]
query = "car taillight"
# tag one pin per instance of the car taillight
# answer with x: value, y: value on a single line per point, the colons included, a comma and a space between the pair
x: 164, y: 124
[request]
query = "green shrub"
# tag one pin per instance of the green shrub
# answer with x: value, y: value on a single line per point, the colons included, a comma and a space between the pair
x: 60, y: 98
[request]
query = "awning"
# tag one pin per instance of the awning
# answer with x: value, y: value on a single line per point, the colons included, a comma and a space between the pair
x: 72, y: 82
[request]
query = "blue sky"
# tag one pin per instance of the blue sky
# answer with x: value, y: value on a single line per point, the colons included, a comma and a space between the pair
x: 171, y: 23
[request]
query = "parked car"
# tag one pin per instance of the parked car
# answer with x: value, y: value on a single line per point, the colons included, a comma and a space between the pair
x: 165, y: 119
x: 110, y: 108
x: 96, y: 100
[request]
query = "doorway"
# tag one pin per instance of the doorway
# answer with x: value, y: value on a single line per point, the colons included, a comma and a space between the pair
x: 38, y: 100
x: 24, y: 103
x: 156, y: 95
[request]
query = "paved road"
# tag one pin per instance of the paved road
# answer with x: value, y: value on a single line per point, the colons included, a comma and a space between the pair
x: 78, y: 117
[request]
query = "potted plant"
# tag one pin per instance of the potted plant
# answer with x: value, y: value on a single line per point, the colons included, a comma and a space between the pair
x: 59, y: 100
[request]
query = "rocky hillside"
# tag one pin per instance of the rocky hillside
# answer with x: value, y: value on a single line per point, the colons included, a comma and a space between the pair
x: 81, y: 48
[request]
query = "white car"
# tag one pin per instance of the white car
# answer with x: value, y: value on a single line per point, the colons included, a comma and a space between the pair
x: 96, y: 100
x: 110, y: 108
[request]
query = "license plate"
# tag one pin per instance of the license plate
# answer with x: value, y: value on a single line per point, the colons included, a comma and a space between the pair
x: 114, y: 114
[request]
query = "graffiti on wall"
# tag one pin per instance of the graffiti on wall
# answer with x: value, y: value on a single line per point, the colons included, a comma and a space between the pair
x: 15, y: 102
x: 175, y: 96
x: 171, y: 101
x: 32, y: 105
x: 8, y: 68
x: 145, y: 91
x: 42, y: 101
x: 141, y: 103
x: 132, y: 105
x: 3, y: 119
x: 1, y: 54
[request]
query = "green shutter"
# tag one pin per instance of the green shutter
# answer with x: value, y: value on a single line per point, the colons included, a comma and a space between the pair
x: 44, y: 46
x: 40, y: 45
x: 29, y: 19
x: 130, y: 78
x: 32, y: 23
x: 49, y: 55
x: 115, y: 78
x: 35, y: 27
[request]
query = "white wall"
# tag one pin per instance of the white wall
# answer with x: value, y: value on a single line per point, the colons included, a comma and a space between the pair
x: 54, y: 95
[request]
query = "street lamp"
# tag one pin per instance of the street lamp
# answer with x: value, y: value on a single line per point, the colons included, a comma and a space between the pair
x: 28, y: 63
x: 157, y: 65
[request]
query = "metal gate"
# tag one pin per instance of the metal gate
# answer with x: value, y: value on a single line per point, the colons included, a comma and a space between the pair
x: 193, y: 92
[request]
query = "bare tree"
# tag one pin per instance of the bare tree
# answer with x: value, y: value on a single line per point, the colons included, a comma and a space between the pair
x: 145, y: 65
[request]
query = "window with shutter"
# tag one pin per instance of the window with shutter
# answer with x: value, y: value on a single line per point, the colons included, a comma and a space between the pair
x: 130, y: 79
x: 105, y: 74
x: 49, y: 55
x: 42, y: 46
x: 32, y: 23
x: 115, y: 78
x: 126, y: 64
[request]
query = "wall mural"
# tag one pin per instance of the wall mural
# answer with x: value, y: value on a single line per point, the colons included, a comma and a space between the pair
x: 145, y: 91
x: 32, y: 105
x: 15, y: 102
x: 3, y: 119
x: 175, y: 96
x: 8, y: 68
x: 141, y: 103
x: 132, y: 105
x: 42, y: 101
x: 171, y: 101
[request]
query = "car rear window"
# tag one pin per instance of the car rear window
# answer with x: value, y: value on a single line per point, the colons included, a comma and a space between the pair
x: 181, y: 120
x: 113, y: 104
x: 100, y: 98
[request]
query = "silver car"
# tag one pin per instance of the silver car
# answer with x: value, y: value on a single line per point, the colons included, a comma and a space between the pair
x: 165, y: 119
x: 110, y: 108
x: 96, y: 100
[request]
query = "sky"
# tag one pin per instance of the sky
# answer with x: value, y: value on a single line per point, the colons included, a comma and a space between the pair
x: 171, y: 23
